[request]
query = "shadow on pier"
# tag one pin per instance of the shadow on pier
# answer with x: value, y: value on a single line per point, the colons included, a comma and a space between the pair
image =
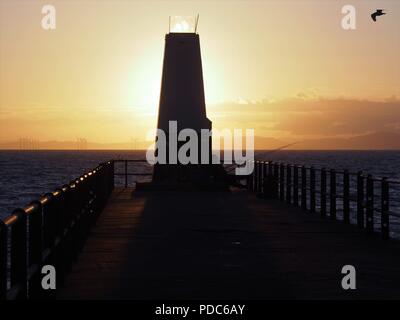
x: 225, y: 245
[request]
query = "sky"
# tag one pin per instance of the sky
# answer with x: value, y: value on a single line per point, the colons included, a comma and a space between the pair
x: 285, y: 68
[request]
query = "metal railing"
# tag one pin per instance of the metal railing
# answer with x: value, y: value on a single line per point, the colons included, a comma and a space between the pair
x: 50, y: 230
x: 53, y: 229
x: 371, y: 203
x: 125, y: 173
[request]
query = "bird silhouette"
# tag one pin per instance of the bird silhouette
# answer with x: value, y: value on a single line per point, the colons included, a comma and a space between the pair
x: 378, y: 12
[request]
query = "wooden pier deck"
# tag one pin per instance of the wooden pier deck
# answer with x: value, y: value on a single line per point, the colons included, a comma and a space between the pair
x: 220, y: 245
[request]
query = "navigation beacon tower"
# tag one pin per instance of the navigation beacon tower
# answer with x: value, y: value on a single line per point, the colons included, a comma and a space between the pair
x: 182, y: 99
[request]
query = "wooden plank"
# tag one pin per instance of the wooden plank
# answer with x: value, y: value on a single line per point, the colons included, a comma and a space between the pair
x: 220, y: 245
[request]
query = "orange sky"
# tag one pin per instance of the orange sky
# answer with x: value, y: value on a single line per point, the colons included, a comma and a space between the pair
x: 285, y: 68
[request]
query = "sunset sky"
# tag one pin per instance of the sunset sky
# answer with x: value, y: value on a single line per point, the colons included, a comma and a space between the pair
x: 285, y: 68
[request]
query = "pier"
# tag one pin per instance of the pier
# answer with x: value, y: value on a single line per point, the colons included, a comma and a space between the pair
x: 286, y: 232
x: 196, y: 231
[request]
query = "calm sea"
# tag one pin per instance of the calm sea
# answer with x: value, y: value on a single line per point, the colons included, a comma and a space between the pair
x: 25, y: 175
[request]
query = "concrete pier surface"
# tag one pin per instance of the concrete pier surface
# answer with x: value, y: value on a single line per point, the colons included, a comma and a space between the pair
x: 225, y: 245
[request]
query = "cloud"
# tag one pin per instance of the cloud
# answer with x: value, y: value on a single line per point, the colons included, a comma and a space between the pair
x: 301, y: 116
x: 296, y: 118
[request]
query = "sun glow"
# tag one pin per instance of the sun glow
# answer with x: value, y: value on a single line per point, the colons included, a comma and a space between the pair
x: 98, y: 75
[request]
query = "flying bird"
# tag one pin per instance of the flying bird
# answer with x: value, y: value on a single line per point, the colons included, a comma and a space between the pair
x: 378, y: 12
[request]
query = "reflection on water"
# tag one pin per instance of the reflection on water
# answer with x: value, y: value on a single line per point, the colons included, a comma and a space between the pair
x: 25, y: 175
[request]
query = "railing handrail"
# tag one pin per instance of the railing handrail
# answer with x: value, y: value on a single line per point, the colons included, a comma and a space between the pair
x: 10, y: 219
x: 50, y: 230
x: 273, y: 178
x: 129, y: 160
x: 341, y: 171
x: 125, y: 173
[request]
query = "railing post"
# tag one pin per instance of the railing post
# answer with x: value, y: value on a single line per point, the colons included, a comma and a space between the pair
x: 265, y: 178
x: 35, y: 249
x: 260, y: 174
x: 266, y: 186
x: 254, y: 184
x: 323, y: 192
x: 332, y: 188
x: 296, y: 185
x: 288, y: 183
x: 385, y: 208
x: 19, y: 254
x: 312, y: 189
x: 112, y: 171
x: 370, y: 204
x: 3, y: 260
x: 126, y: 173
x: 250, y: 181
x: 276, y: 179
x: 360, y: 200
x: 271, y: 168
x: 255, y: 176
x: 346, y: 197
x: 282, y: 182
x: 303, y: 188
x: 49, y: 222
x: 269, y: 180
x: 60, y: 256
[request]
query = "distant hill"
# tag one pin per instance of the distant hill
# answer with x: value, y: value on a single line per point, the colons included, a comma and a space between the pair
x: 266, y: 143
x: 69, y: 145
x: 373, y: 141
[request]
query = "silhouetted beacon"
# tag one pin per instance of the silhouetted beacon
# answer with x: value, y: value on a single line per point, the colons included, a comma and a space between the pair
x: 182, y: 100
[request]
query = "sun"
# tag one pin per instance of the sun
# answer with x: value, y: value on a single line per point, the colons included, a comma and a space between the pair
x: 182, y: 24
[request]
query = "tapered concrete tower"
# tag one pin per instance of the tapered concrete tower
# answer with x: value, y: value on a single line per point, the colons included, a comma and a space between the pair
x: 182, y: 88
x: 182, y: 100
